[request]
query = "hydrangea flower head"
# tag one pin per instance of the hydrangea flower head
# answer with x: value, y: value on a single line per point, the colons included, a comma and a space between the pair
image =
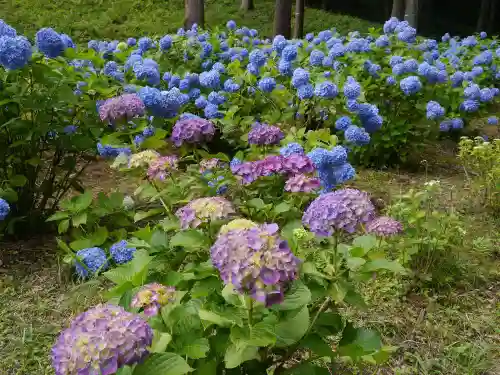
x: 343, y: 123
x: 210, y: 79
x: 122, y: 108
x: 142, y: 159
x: 256, y: 261
x: 4, y: 209
x: 267, y: 84
x: 237, y: 224
x: 291, y: 148
x: 15, y: 52
x: 301, y: 183
x: 384, y: 226
x: 410, y: 85
x: 203, y: 210
x: 161, y: 167
x: 90, y: 261
x: 7, y: 30
x: 121, y: 252
x: 264, y: 134
x: 352, y: 89
x: 434, y: 110
x: 300, y: 77
x: 195, y: 130
x: 344, y: 209
x: 49, y: 42
x: 152, y: 297
x: 326, y: 90
x: 101, y: 341
x: 356, y: 135
x: 493, y: 120
x: 305, y: 91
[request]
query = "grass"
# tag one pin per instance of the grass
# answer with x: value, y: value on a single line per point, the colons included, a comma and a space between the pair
x: 101, y: 19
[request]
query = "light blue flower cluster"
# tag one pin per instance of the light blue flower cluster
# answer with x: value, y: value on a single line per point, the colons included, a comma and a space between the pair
x: 332, y: 167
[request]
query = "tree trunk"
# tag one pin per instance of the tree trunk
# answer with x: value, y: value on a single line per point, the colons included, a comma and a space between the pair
x: 194, y: 13
x: 411, y: 12
x: 282, y: 18
x: 298, y: 31
x: 398, y: 9
x: 246, y: 5
x: 483, y: 15
x: 491, y: 21
x: 325, y: 4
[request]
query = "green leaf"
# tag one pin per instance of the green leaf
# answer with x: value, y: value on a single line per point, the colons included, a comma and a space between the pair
x: 159, y: 239
x: 353, y: 263
x: 160, y: 341
x: 338, y: 290
x: 332, y: 321
x: 292, y: 327
x: 141, y: 215
x: 206, y: 367
x: 307, y: 369
x: 382, y: 264
x: 82, y: 201
x: 281, y: 208
x: 163, y: 364
x: 216, y: 318
x: 357, y: 342
x: 317, y: 345
x: 355, y: 299
x: 230, y: 295
x: 134, y: 271
x: 298, y: 296
x: 58, y: 216
x: 63, y: 226
x: 263, y: 333
x: 195, y: 348
x: 190, y: 239
x: 79, y: 219
x: 367, y: 242
x: 240, y: 352
x: 256, y: 203
x: 18, y: 180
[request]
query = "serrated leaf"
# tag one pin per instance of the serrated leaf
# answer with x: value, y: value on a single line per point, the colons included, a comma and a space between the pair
x: 298, y: 296
x: 134, y: 271
x: 282, y: 207
x: 63, y: 226
x: 141, y: 215
x: 196, y: 348
x: 240, y: 352
x: 292, y: 327
x: 262, y: 334
x: 367, y: 242
x: 216, y: 318
x: 189, y: 239
x: 82, y: 201
x: 79, y: 219
x: 256, y: 203
x: 353, y: 262
x: 58, y: 216
x: 164, y: 364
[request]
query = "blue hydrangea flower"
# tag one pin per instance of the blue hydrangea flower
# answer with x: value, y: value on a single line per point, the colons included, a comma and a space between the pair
x: 382, y: 41
x: 253, y: 69
x: 184, y: 84
x: 121, y: 253
x: 352, y: 89
x: 300, y: 77
x: 201, y: 102
x: 343, y: 123
x: 231, y: 86
x: 472, y: 91
x: 493, y: 120
x: 131, y: 42
x: 289, y: 52
x: 257, y: 58
x: 231, y: 25
x: 279, y: 43
x: 486, y: 95
x: 394, y: 60
x: 212, y: 111
x: 7, y: 30
x: 434, y: 110
x: 291, y: 148
x: 410, y: 85
x: 305, y: 91
x: 410, y: 66
x: 390, y: 80
x: 210, y: 79
x: 194, y: 93
x: 469, y: 105
x: 147, y: 72
x: 90, y: 260
x: 216, y: 98
x: 445, y: 125
x: 49, y: 42
x: 457, y: 123
x: 285, y: 67
x: 326, y: 89
x: 15, y: 52
x: 357, y: 136
x: 4, y: 205
x: 316, y: 57
x: 267, y: 84
x: 483, y: 35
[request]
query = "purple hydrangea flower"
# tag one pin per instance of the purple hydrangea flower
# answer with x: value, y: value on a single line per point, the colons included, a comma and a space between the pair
x: 203, y: 210
x: 101, y: 341
x: 152, y: 297
x: 384, y: 226
x: 256, y: 261
x: 344, y: 209
x: 297, y: 163
x: 161, y: 167
x: 195, y: 130
x: 264, y: 134
x: 302, y: 184
x: 121, y: 108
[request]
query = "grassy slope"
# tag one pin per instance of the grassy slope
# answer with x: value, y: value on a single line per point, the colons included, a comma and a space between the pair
x: 106, y: 19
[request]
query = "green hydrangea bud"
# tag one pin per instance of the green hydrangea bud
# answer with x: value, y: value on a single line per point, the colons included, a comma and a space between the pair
x: 122, y: 46
x: 300, y: 233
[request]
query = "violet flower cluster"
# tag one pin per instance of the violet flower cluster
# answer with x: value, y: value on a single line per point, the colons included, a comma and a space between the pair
x: 100, y: 341
x: 160, y: 168
x: 152, y: 297
x: 203, y: 210
x: 192, y: 130
x: 256, y: 261
x: 344, y: 209
x: 121, y: 108
x: 384, y: 226
x: 264, y: 134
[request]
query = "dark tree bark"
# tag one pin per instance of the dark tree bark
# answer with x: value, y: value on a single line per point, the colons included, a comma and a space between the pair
x: 491, y: 21
x: 411, y: 12
x: 246, y: 5
x: 398, y: 9
x: 194, y: 13
x: 298, y: 31
x: 283, y: 18
x: 483, y: 15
